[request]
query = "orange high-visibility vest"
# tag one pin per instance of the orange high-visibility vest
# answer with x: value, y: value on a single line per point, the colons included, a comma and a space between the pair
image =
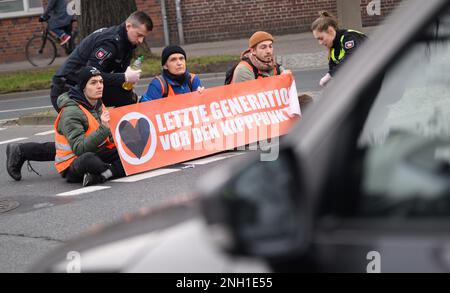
x: 250, y: 67
x: 64, y: 153
x: 169, y: 92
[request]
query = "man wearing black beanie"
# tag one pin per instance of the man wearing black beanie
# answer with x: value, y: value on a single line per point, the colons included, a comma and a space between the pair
x: 175, y: 79
x: 84, y: 148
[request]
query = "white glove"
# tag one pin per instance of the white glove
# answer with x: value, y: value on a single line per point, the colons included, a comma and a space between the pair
x: 200, y: 89
x: 132, y: 76
x: 325, y: 80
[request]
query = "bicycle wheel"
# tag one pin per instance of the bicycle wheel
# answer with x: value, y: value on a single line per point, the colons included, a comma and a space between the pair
x: 40, y: 51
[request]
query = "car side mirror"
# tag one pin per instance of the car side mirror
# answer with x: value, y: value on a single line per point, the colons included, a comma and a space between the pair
x: 262, y: 209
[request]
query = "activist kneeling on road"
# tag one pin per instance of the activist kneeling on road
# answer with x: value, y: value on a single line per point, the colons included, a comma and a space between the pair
x: 258, y: 61
x: 85, y: 151
x: 175, y: 79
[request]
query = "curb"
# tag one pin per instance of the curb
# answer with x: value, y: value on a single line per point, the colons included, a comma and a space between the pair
x: 36, y: 120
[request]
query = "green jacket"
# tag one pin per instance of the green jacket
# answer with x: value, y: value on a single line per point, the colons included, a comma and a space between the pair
x: 73, y: 124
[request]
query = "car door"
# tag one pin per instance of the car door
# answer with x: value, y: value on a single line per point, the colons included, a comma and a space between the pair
x: 385, y: 206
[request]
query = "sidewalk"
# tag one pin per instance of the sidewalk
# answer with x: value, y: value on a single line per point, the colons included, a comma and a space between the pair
x: 294, y: 51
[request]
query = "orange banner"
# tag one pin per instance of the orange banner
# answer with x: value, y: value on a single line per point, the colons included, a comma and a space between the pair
x: 184, y: 127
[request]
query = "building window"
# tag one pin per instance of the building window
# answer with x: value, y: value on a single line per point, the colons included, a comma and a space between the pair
x: 15, y: 8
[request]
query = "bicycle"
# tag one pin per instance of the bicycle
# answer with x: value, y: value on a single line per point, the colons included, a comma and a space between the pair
x: 41, y: 49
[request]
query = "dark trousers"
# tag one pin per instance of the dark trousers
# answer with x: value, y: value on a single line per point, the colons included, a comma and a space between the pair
x: 59, y: 31
x: 116, y: 96
x: 42, y: 152
x: 95, y: 164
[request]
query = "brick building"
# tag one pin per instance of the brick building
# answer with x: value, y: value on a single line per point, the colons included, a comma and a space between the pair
x: 203, y: 20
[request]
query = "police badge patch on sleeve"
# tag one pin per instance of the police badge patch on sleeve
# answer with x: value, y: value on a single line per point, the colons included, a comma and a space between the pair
x: 101, y: 54
x: 349, y: 45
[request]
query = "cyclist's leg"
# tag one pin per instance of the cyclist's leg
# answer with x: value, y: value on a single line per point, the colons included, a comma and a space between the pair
x: 68, y: 29
x: 71, y: 43
x: 60, y: 32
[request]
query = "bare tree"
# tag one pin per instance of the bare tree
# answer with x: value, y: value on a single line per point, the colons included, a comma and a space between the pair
x: 97, y: 14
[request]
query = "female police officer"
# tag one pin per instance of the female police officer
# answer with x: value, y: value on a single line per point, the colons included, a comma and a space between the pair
x: 341, y: 43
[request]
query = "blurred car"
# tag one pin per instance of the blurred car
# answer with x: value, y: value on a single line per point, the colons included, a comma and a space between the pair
x: 362, y: 183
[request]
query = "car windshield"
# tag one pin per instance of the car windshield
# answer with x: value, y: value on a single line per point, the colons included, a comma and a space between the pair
x: 406, y: 137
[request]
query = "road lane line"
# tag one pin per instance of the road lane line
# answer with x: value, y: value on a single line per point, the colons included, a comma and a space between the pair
x: 45, y: 133
x: 13, y: 140
x: 2, y: 129
x: 83, y: 191
x: 145, y: 176
x: 25, y: 109
x: 15, y: 100
x: 212, y: 159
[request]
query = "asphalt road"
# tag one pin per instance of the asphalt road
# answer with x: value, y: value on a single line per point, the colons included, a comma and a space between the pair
x: 13, y: 108
x: 48, y: 216
x: 51, y: 211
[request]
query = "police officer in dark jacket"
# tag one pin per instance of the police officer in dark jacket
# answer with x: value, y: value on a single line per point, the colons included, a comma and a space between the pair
x: 341, y: 43
x: 109, y: 50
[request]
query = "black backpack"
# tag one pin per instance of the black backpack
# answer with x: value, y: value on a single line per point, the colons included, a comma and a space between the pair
x: 230, y: 72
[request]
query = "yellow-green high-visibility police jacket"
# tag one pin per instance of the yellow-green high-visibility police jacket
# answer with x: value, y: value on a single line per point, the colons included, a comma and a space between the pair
x: 345, y: 43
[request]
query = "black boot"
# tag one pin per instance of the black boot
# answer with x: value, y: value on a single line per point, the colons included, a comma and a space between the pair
x: 14, y: 161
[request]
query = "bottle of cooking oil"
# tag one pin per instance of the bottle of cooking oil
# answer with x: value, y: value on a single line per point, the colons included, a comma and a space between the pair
x: 136, y: 66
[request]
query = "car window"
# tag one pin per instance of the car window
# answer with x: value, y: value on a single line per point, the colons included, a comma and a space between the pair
x: 406, y: 137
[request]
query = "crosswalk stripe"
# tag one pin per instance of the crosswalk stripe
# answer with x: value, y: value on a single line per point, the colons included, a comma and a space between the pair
x: 84, y: 190
x: 144, y: 176
x: 45, y: 133
x: 206, y: 161
x: 13, y: 140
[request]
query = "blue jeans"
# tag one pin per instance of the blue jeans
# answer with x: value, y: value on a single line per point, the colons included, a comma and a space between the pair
x: 61, y: 31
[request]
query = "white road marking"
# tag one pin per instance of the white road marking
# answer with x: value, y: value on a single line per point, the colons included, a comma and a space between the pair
x: 83, y: 191
x: 148, y: 175
x: 25, y: 109
x: 13, y: 140
x: 2, y: 129
x: 145, y: 176
x: 212, y: 159
x: 45, y: 133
